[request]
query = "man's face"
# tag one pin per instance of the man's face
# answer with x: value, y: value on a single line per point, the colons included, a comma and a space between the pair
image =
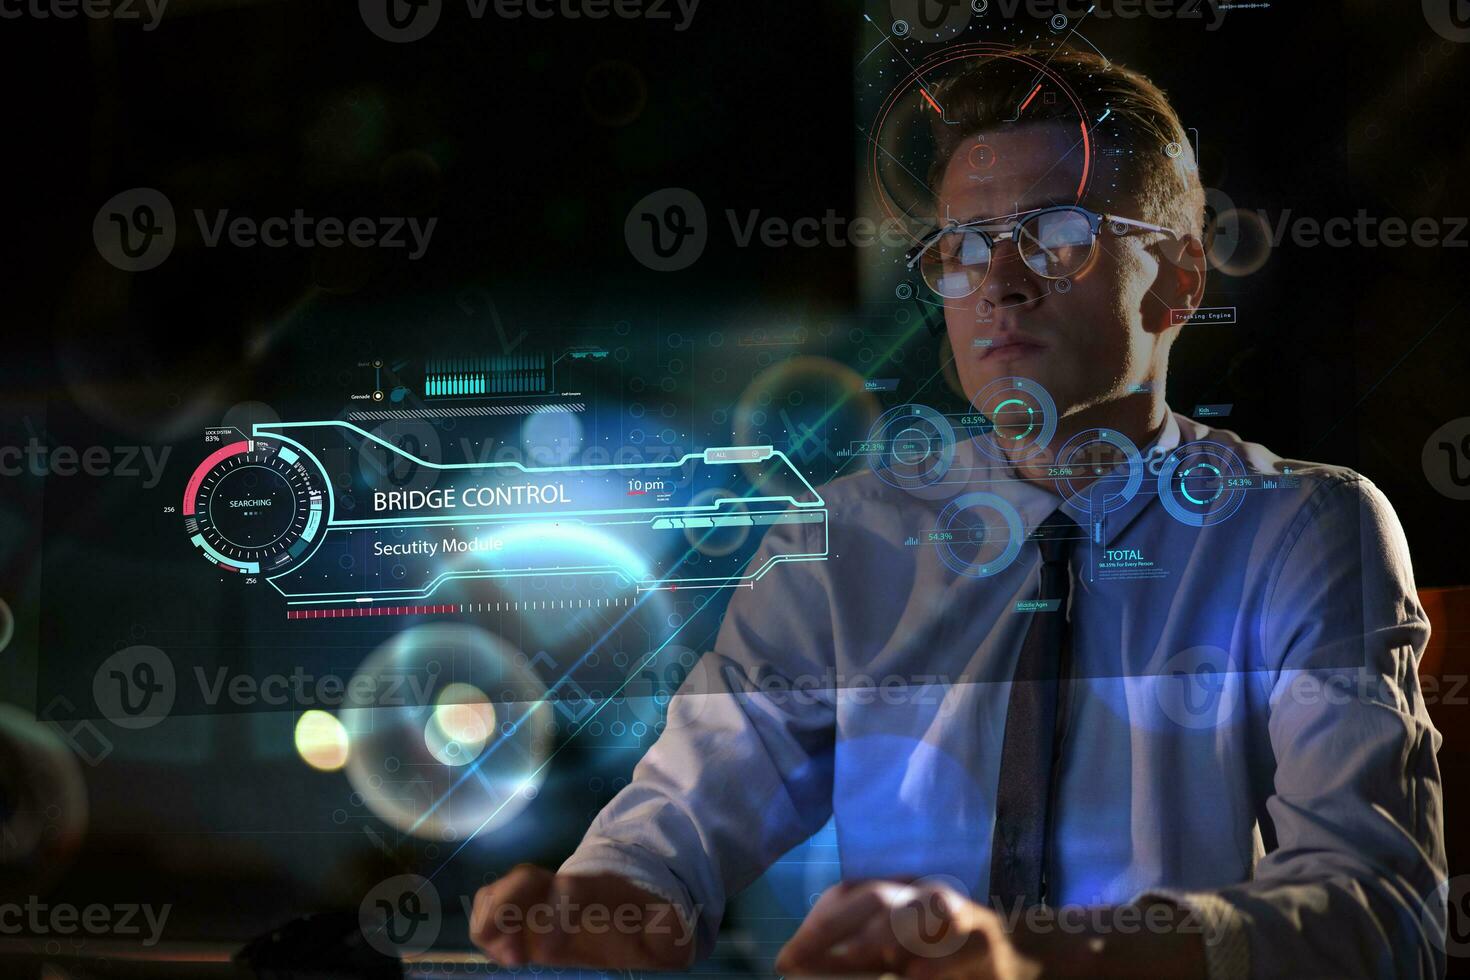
x: 1085, y: 346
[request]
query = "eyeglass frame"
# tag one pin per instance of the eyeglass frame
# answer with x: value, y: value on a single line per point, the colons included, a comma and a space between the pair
x: 1094, y: 221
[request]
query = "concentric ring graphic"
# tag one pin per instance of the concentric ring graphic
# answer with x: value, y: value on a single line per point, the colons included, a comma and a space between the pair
x: 1096, y: 456
x: 254, y: 508
x: 1203, y: 483
x: 978, y: 534
x: 1020, y: 419
x: 910, y: 446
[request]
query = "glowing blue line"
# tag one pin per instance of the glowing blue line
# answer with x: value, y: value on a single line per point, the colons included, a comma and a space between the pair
x: 474, y: 767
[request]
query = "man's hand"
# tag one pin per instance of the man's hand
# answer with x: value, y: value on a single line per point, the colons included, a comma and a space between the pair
x: 922, y: 930
x: 929, y: 931
x: 534, y: 916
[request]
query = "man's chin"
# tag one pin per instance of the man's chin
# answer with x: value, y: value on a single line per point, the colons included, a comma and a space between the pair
x: 984, y: 375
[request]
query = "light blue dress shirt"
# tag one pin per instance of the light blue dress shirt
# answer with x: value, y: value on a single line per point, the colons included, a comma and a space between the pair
x: 1245, y: 733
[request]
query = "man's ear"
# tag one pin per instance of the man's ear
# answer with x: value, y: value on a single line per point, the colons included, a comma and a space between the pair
x: 1179, y: 287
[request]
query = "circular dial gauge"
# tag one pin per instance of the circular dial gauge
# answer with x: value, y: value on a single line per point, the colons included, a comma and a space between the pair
x: 918, y: 126
x: 252, y: 508
x: 1203, y: 483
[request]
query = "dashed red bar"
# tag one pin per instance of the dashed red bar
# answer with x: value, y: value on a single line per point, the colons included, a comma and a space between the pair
x: 349, y: 612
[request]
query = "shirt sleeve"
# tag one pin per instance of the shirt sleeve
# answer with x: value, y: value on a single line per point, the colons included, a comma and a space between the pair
x: 1353, y: 887
x: 743, y: 769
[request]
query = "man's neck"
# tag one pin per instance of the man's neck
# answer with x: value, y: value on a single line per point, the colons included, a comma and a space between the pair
x: 1140, y: 416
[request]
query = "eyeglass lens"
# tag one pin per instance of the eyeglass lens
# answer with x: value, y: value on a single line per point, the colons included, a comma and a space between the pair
x: 1053, y: 244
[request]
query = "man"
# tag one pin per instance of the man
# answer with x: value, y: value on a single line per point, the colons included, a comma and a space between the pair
x: 1047, y: 795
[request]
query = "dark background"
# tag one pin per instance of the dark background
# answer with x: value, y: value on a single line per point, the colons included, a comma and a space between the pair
x: 530, y: 140
x: 502, y: 130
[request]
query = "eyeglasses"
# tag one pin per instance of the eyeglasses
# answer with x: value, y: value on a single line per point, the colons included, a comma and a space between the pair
x: 1055, y: 243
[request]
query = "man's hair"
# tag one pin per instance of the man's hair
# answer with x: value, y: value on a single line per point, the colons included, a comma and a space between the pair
x: 1154, y: 161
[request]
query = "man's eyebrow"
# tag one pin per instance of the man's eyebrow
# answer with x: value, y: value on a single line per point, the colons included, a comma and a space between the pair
x: 1019, y: 207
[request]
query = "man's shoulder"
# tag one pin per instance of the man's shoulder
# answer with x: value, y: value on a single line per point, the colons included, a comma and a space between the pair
x: 864, y: 509
x: 1315, y: 484
x: 1297, y: 484
x: 865, y: 489
x: 1260, y: 460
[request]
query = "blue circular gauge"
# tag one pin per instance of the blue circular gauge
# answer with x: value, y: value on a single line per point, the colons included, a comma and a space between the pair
x: 1203, y: 483
x: 910, y: 446
x: 1014, y: 419
x: 977, y: 534
x: 254, y: 508
x: 1098, y: 471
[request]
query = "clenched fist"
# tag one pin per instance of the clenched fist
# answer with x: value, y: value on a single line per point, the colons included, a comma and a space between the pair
x: 598, y: 921
x: 922, y: 930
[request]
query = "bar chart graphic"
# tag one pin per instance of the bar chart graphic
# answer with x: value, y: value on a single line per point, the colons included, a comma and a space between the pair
x: 510, y: 374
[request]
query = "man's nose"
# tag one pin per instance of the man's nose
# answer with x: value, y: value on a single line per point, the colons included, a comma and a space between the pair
x: 1010, y: 282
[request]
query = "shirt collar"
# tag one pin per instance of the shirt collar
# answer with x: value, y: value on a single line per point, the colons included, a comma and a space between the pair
x: 979, y: 471
x: 1104, y: 528
x: 1035, y: 503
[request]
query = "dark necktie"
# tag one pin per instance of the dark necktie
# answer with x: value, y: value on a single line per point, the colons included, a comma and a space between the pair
x: 1028, y: 755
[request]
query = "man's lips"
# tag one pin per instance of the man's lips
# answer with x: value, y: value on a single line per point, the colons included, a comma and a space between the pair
x: 1008, y: 347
